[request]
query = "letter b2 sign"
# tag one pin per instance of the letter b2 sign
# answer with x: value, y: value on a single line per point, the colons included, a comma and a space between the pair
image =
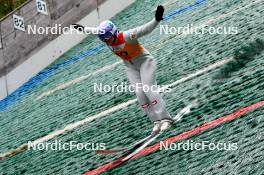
x: 19, y: 22
x: 42, y: 6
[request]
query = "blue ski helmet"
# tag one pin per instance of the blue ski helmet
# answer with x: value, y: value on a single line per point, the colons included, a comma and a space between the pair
x: 107, y: 29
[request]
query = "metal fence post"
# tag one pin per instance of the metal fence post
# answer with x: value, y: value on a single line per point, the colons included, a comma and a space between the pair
x: 1, y: 45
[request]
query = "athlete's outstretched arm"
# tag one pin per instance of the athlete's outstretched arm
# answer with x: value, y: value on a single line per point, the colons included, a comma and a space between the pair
x: 146, y: 28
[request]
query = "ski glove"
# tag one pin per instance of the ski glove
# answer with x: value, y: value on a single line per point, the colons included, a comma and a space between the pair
x: 78, y: 27
x: 159, y: 13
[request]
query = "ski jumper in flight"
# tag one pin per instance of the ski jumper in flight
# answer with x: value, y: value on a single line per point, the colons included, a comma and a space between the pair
x: 139, y: 63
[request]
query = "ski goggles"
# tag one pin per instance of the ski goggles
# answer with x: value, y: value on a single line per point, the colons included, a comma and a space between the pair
x: 106, y: 36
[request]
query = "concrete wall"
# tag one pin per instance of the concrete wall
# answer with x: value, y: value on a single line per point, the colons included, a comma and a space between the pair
x: 62, y: 12
x: 34, y: 53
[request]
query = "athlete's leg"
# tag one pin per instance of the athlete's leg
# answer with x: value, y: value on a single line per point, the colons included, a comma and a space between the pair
x: 147, y: 72
x: 134, y: 78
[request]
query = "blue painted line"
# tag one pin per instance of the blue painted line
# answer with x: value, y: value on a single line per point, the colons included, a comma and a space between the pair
x: 184, y: 9
x: 41, y: 76
x: 47, y: 72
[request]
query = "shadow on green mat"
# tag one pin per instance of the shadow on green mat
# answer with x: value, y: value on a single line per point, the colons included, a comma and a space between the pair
x: 242, y: 56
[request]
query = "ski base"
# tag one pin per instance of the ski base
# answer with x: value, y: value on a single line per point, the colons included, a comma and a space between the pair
x: 133, y: 146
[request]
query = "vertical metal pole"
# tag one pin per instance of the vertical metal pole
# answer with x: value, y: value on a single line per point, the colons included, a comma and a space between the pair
x: 50, y: 6
x: 97, y: 10
x: 1, y: 45
x: 7, y: 93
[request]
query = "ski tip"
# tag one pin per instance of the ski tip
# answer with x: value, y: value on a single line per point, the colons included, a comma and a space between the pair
x: 126, y: 158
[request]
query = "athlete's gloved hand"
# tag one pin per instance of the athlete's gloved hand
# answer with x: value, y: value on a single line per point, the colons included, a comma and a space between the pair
x: 159, y: 13
x: 78, y: 27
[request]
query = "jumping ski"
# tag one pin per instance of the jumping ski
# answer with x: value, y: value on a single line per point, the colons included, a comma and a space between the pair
x: 131, y: 150
x: 131, y: 147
